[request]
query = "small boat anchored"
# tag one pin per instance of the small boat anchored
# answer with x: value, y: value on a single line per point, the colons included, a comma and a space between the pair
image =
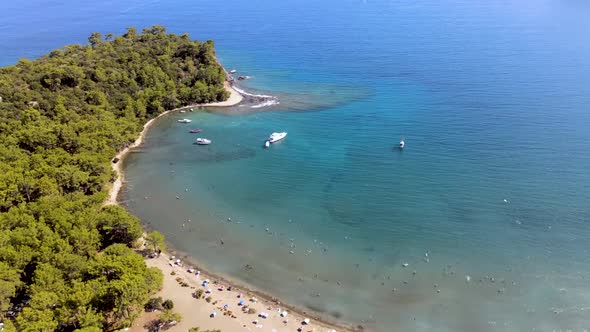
x: 202, y: 141
x: 233, y: 71
x: 402, y: 143
x: 274, y: 137
x: 194, y: 131
x: 185, y: 121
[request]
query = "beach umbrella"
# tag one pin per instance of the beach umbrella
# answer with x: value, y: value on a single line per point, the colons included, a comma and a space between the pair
x: 213, y: 314
x: 284, y: 314
x: 306, y: 321
x: 241, y: 302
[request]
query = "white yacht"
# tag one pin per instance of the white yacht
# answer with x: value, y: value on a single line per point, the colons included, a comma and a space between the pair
x: 185, y: 121
x: 402, y: 143
x: 202, y: 141
x: 275, y: 137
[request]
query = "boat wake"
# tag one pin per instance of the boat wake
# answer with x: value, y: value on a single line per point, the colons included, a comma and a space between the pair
x: 259, y: 100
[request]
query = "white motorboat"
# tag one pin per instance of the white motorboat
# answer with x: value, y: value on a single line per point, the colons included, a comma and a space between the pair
x: 182, y: 111
x: 202, y: 141
x: 402, y: 143
x: 266, y: 143
x: 275, y: 137
x: 185, y: 121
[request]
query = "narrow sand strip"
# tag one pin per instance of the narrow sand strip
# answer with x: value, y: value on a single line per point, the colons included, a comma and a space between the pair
x: 234, y: 99
x: 117, y: 167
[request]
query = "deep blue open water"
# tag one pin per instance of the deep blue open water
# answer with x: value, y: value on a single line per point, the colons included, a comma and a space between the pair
x: 488, y: 204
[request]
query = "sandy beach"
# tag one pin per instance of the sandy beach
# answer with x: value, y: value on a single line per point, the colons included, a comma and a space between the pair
x: 197, y: 312
x: 235, y: 317
x: 234, y: 98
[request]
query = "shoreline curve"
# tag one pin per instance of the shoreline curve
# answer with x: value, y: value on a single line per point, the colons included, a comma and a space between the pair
x: 113, y: 193
x: 172, y: 289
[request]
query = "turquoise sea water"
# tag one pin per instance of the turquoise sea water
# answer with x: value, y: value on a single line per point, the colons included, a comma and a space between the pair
x: 493, y: 186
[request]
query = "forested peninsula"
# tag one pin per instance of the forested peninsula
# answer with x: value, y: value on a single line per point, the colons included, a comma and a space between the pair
x: 66, y: 261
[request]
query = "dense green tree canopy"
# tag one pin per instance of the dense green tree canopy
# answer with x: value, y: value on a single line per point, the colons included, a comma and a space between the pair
x: 155, y: 241
x: 66, y: 261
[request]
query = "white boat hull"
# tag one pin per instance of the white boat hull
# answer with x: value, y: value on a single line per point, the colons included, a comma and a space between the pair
x: 202, y: 141
x: 275, y: 137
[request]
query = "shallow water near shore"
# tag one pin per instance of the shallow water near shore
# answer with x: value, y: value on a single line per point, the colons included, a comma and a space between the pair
x: 487, y: 204
x: 316, y: 221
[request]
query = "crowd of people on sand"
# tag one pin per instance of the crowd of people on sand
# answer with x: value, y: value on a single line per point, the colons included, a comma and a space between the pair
x: 247, y: 304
